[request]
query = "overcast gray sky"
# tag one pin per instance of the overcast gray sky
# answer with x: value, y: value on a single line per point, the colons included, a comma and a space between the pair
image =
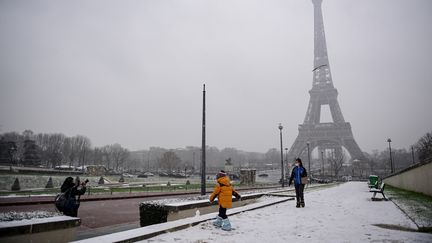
x: 131, y: 72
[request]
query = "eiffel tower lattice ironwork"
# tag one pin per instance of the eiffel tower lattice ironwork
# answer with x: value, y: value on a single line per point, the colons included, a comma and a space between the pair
x: 324, y: 136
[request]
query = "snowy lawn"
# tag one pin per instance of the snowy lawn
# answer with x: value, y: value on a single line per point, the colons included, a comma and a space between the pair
x: 343, y: 213
x: 418, y: 206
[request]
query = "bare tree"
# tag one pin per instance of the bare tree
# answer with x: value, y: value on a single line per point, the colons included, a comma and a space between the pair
x: 105, y: 156
x: 82, y: 146
x: 169, y: 161
x: 424, y: 147
x: 98, y: 156
x: 51, y: 146
x: 18, y: 139
x: 272, y: 156
x: 336, y: 161
x: 54, y: 153
x: 67, y: 150
x: 119, y: 155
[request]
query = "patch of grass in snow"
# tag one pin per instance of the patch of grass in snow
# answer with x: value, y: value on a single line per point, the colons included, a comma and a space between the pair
x: 395, y: 227
x: 417, y: 205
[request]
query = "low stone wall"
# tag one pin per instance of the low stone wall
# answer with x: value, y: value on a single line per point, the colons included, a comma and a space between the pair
x: 143, y: 233
x: 415, y: 178
x: 54, y: 229
x: 155, y: 213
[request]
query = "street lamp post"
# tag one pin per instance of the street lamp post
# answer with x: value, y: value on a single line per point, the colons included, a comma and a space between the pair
x: 203, y: 145
x: 322, y: 161
x: 193, y: 162
x: 281, y: 149
x: 391, y: 157
x: 286, y: 160
x: 308, y: 147
x: 412, y: 154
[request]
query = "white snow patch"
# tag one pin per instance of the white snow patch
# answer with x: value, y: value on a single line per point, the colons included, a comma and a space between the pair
x: 15, y: 223
x: 178, y: 201
x: 343, y: 213
x: 16, y: 216
x: 21, y: 195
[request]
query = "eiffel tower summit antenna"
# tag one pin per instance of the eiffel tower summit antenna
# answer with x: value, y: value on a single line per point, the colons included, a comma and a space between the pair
x: 330, y: 135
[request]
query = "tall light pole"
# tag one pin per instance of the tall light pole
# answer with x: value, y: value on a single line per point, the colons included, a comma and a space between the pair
x: 309, y: 171
x: 193, y: 163
x: 281, y: 149
x: 391, y: 157
x: 322, y: 161
x: 412, y: 154
x: 148, y: 162
x: 308, y: 144
x: 203, y: 146
x: 286, y: 159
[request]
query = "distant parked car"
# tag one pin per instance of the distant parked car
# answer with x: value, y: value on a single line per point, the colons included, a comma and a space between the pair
x: 263, y: 175
x: 163, y: 174
x: 64, y: 167
x: 148, y: 174
x: 142, y: 176
x: 178, y: 175
x: 128, y: 175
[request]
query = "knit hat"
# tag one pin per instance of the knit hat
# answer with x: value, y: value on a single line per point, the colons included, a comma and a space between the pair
x: 220, y: 174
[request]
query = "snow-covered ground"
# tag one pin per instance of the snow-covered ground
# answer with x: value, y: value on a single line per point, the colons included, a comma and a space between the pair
x: 343, y: 213
x: 15, y: 216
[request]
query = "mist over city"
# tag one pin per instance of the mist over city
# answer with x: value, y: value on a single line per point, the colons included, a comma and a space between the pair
x: 132, y: 73
x: 124, y: 102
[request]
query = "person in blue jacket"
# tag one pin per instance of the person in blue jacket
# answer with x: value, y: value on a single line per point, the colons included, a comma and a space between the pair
x: 296, y: 174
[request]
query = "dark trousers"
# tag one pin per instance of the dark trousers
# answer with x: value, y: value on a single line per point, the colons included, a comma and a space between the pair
x: 299, y: 192
x: 71, y: 208
x: 222, y: 213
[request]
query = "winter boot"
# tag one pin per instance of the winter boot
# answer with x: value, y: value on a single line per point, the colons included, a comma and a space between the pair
x: 298, y: 204
x: 302, y: 204
x: 226, y: 224
x: 218, y: 222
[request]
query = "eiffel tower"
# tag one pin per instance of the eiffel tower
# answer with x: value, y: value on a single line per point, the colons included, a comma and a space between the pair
x: 334, y: 135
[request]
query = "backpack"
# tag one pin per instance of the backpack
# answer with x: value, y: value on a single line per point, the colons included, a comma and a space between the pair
x: 61, y: 200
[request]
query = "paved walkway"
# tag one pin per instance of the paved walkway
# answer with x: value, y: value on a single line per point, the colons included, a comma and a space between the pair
x: 48, y: 199
x: 99, y: 216
x: 343, y: 213
x: 31, y: 200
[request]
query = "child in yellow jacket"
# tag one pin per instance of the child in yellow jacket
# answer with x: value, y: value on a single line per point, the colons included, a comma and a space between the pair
x: 224, y: 192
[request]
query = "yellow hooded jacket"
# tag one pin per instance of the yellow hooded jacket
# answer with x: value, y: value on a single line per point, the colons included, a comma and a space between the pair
x: 224, y: 192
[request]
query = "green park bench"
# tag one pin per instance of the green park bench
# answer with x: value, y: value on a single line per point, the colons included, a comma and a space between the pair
x: 373, y: 181
x: 380, y: 189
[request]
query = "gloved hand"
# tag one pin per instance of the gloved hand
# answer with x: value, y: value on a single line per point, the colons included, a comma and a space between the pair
x: 236, y: 195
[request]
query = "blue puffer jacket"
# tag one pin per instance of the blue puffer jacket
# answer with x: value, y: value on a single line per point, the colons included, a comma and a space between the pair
x: 296, y: 174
